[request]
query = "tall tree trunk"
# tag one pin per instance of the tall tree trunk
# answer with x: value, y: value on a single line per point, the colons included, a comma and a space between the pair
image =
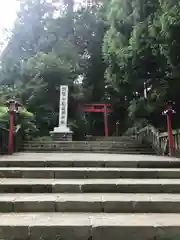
x: 70, y: 18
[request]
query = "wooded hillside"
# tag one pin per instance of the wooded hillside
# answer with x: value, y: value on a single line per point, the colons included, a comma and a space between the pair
x: 106, y: 51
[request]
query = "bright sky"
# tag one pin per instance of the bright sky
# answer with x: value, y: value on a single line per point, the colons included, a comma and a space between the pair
x: 8, y: 9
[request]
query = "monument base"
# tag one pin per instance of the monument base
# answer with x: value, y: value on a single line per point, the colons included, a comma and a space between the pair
x: 61, y: 134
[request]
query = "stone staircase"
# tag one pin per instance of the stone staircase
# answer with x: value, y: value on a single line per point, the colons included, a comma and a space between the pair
x: 70, y: 196
x: 123, y: 145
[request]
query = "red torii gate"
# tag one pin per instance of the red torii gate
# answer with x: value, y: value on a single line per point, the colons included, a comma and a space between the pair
x: 100, y: 107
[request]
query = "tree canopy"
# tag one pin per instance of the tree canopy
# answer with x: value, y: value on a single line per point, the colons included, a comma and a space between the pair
x: 105, y: 51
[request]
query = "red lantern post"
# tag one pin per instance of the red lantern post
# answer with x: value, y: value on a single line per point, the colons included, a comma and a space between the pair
x: 12, y: 109
x: 117, y: 128
x: 168, y: 112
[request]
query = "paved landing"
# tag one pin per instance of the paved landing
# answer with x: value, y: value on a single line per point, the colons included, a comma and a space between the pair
x: 85, y: 157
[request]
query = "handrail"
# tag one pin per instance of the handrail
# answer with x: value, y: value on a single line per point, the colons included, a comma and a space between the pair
x: 2, y: 127
x: 17, y: 128
x: 158, y: 140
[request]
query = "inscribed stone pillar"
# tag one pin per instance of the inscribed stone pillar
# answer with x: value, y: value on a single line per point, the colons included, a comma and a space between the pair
x: 63, y: 131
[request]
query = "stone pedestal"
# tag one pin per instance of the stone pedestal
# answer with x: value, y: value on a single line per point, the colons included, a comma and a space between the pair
x: 61, y: 134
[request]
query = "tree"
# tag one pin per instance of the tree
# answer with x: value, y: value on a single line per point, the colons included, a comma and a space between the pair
x: 40, y: 67
x: 24, y: 118
x: 139, y: 48
x: 43, y: 74
x: 106, y: 51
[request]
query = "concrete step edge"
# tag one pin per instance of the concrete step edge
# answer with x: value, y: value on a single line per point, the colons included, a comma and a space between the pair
x: 91, y: 219
x: 52, y: 181
x: 42, y: 162
x: 59, y: 150
x: 19, y: 185
x: 92, y: 226
x: 109, y: 203
x: 89, y: 197
x: 93, y: 169
x: 90, y: 173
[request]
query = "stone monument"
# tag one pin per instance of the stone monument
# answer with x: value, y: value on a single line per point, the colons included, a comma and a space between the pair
x: 62, y: 132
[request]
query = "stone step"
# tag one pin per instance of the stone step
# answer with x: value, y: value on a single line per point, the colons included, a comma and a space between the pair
x: 39, y: 150
x: 86, y: 148
x: 98, y: 173
x: 87, y: 160
x: 128, y: 142
x: 19, y: 185
x: 85, y: 226
x: 91, y: 202
x: 86, y: 145
x: 106, y: 143
x: 114, y: 138
x: 97, y: 147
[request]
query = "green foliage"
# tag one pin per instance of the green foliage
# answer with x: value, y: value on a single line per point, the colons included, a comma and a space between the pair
x: 53, y: 44
x: 104, y: 50
x: 25, y: 119
x: 141, y: 45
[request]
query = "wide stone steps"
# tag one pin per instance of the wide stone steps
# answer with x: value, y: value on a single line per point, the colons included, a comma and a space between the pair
x: 74, y: 144
x: 88, y: 160
x: 98, y: 151
x: 114, y: 138
x: 73, y: 196
x: 91, y: 202
x: 120, y: 143
x: 19, y: 185
x: 84, y: 173
x: 91, y: 146
x: 105, y: 150
x: 86, y: 226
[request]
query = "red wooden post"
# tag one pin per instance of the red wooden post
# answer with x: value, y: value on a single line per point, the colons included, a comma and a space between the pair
x: 169, y: 111
x: 12, y: 108
x: 106, y: 121
x: 11, y: 128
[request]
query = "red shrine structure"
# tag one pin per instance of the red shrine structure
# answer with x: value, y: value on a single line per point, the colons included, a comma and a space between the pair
x: 104, y: 108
